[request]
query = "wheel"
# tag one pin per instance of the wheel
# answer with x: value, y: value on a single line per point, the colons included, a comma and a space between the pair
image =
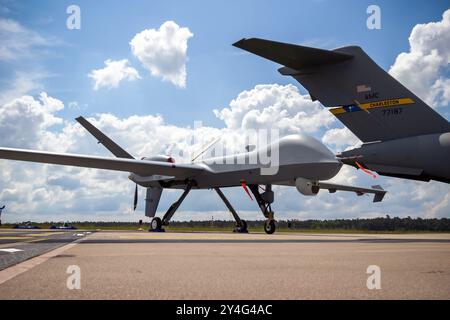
x: 156, y: 224
x: 269, y: 226
x: 242, y: 228
x: 243, y: 225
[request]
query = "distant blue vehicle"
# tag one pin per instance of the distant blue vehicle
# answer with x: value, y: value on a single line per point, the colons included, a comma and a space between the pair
x: 27, y: 225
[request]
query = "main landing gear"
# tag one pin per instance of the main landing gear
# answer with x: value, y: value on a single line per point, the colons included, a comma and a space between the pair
x: 241, y: 225
x: 157, y: 224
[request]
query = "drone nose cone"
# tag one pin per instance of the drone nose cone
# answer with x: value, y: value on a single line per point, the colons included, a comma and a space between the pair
x: 303, y: 148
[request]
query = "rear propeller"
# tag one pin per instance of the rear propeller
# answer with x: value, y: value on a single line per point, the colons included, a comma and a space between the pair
x: 135, y: 198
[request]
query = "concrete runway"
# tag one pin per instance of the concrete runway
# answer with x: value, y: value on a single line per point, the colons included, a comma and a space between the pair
x: 142, y: 265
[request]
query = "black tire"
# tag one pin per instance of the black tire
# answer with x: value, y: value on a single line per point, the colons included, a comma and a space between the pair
x: 269, y: 226
x: 156, y: 224
x: 244, y: 226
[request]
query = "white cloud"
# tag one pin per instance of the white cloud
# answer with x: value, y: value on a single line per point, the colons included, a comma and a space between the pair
x: 97, y: 194
x: 163, y: 51
x: 17, y: 41
x: 275, y: 106
x: 74, y: 105
x: 340, y: 138
x: 114, y: 72
x: 424, y: 69
x: 21, y: 84
x: 440, y: 91
x: 24, y: 122
x: 21, y: 47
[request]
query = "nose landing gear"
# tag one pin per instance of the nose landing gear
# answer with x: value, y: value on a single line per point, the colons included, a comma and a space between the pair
x: 264, y: 201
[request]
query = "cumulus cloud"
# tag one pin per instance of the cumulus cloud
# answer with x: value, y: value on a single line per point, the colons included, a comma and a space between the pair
x: 24, y: 121
x: 22, y: 83
x: 163, y: 51
x: 19, y: 47
x: 277, y: 107
x: 106, y: 195
x: 340, y: 138
x: 18, y: 41
x: 113, y: 73
x: 424, y: 69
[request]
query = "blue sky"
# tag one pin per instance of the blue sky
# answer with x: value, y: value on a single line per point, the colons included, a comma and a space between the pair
x: 217, y: 73
x: 216, y: 70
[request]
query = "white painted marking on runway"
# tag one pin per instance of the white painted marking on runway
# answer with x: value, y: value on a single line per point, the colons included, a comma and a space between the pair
x: 10, y: 250
x: 13, y: 271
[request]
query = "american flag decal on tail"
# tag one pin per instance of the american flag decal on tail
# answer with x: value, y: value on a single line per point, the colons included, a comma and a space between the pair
x: 363, y: 88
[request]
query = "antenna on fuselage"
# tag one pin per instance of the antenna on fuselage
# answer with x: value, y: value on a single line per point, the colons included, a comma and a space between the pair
x: 206, y: 149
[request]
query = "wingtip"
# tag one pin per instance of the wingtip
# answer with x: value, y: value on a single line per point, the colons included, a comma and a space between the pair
x: 378, y: 197
x: 239, y: 43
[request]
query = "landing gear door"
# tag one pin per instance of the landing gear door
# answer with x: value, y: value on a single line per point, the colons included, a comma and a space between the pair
x: 152, y: 200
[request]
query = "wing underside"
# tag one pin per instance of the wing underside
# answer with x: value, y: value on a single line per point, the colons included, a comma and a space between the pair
x: 378, y: 191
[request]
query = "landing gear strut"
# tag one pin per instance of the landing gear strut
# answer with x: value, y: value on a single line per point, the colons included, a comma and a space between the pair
x: 264, y: 201
x: 157, y: 224
x: 241, y: 225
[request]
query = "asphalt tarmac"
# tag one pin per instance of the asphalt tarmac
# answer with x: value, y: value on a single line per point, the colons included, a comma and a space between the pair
x: 17, y: 245
x: 142, y: 265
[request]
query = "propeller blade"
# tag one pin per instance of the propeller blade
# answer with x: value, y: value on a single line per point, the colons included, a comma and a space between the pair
x: 246, y: 189
x: 135, y: 198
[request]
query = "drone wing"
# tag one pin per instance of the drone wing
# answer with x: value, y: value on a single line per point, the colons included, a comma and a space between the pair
x: 141, y: 167
x: 332, y: 188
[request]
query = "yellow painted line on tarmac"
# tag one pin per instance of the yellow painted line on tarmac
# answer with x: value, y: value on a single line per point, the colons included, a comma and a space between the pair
x: 21, y: 240
x: 38, y: 240
x: 42, y: 234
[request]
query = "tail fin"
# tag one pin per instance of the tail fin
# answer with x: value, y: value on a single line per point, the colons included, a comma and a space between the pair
x: 364, y: 97
x: 103, y: 139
